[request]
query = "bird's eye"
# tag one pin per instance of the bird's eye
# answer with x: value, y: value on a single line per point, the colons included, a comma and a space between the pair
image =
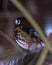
x: 17, y: 22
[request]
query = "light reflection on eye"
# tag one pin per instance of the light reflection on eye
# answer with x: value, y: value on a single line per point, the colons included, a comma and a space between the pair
x: 17, y: 22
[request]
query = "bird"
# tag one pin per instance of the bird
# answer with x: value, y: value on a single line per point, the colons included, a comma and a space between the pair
x: 26, y: 37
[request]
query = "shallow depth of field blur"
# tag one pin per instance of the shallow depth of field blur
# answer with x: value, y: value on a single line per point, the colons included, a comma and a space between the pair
x: 41, y: 11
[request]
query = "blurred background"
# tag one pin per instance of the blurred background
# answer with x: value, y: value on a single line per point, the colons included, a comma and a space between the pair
x: 41, y: 10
